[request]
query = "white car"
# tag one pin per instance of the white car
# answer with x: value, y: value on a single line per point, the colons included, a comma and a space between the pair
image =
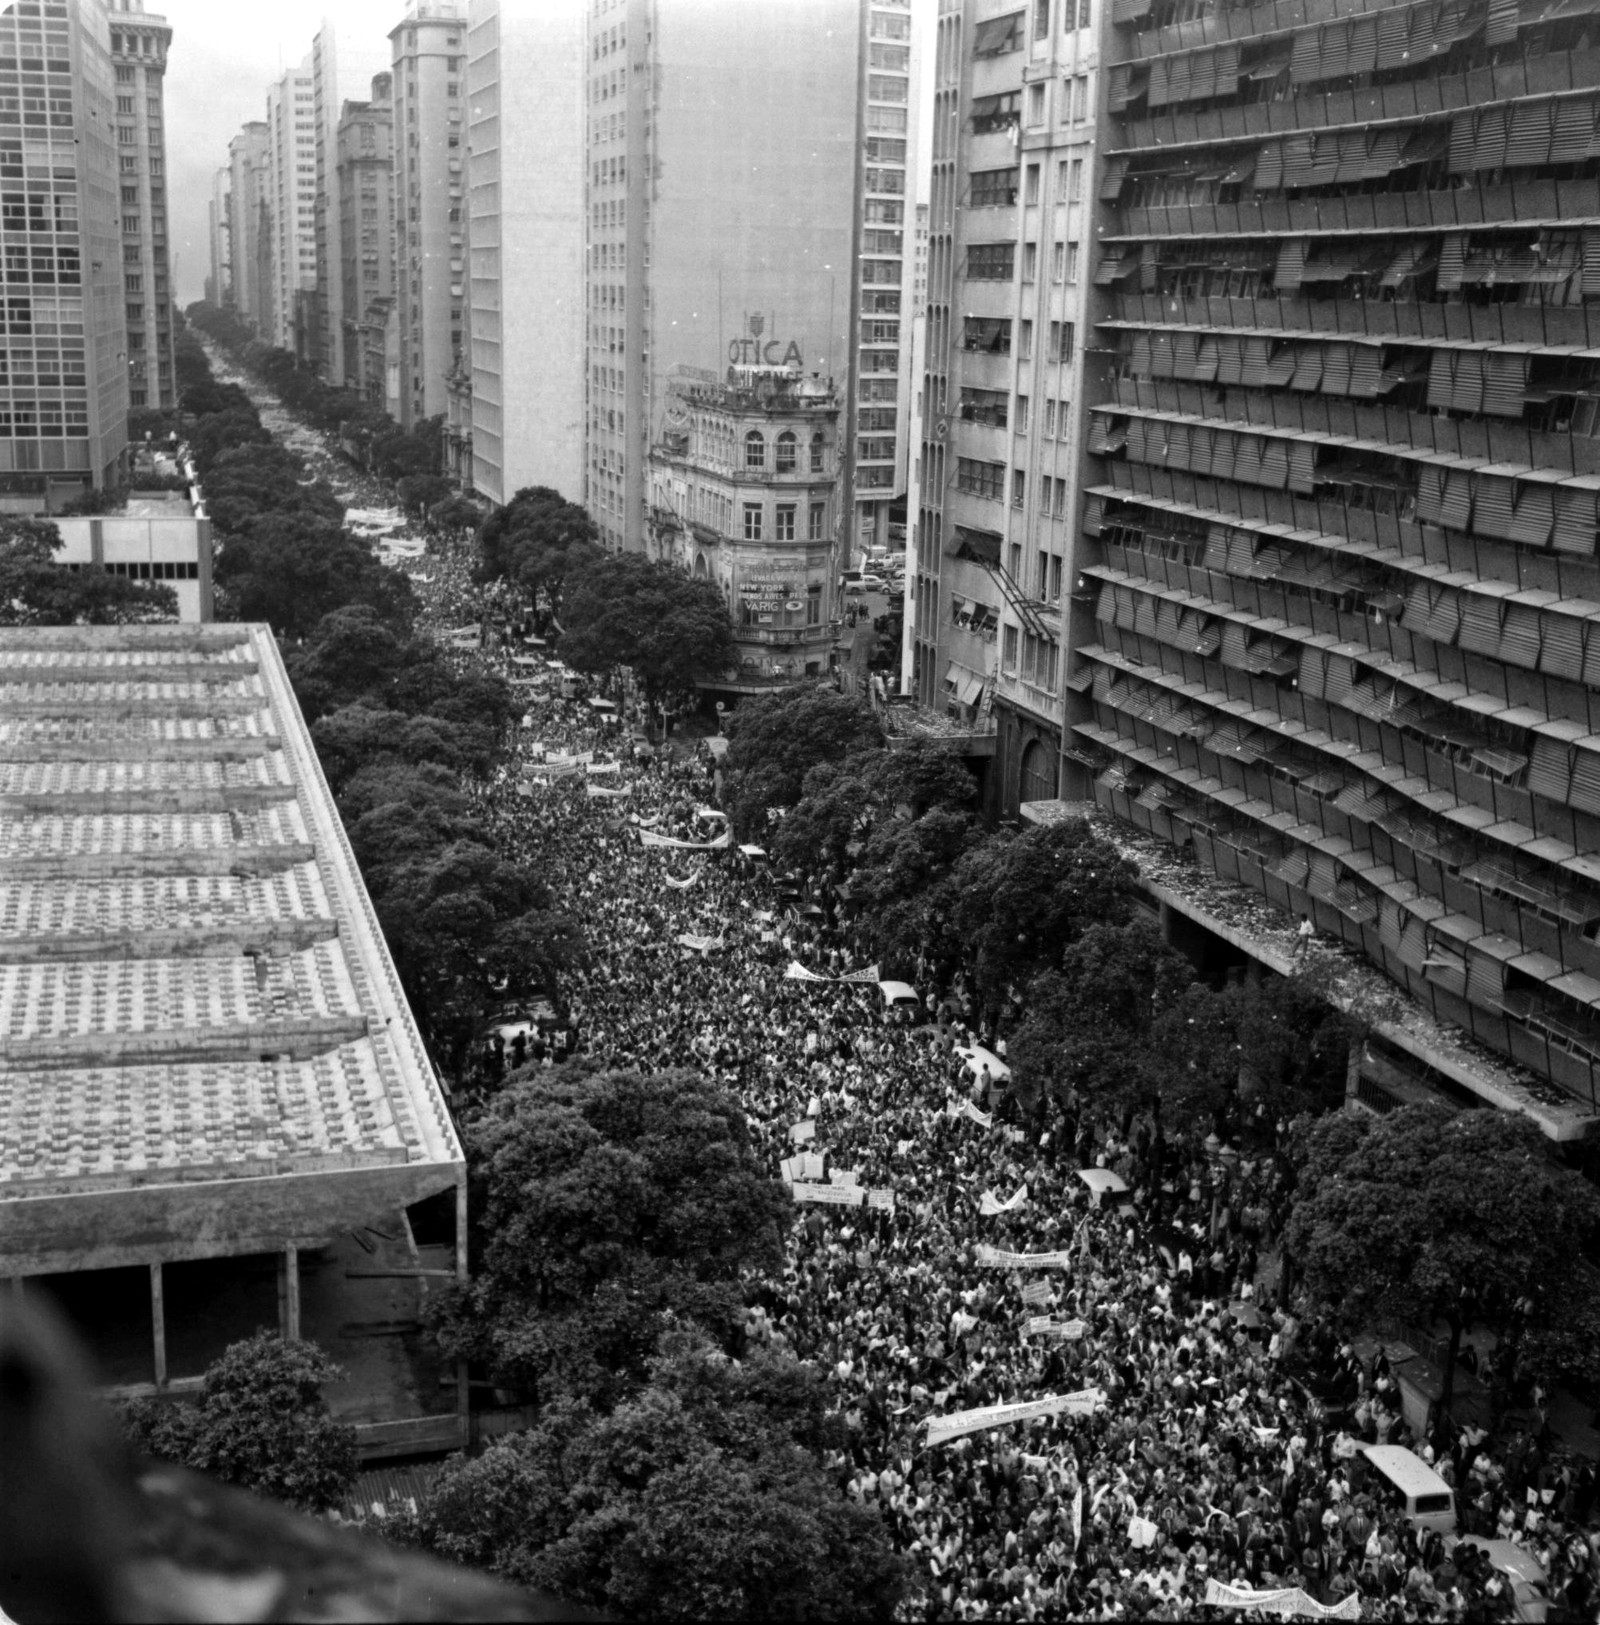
x: 857, y: 582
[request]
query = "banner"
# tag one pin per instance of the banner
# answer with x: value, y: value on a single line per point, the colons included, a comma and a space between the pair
x: 1036, y: 1292
x: 792, y: 1168
x: 833, y: 1195
x: 881, y: 1199
x: 798, y: 973
x: 700, y: 945
x: 989, y: 1204
x: 599, y: 792
x: 993, y: 1258
x: 1289, y: 1603
x: 964, y: 1108
x: 1066, y: 1331
x: 812, y: 1164
x: 869, y: 975
x: 721, y: 844
x: 682, y: 885
x: 804, y: 1130
x: 941, y: 1429
x: 845, y: 1176
x: 604, y: 767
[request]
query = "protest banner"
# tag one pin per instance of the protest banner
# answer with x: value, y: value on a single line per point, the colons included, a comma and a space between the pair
x: 1289, y: 1603
x: 967, y: 1110
x: 831, y: 1195
x: 845, y: 1176
x: 700, y: 945
x: 798, y: 973
x: 1036, y: 1292
x: 681, y: 885
x: 868, y: 976
x: 941, y: 1429
x: 604, y: 768
x: 599, y: 792
x: 792, y: 1167
x: 812, y: 1164
x: 804, y: 1130
x: 881, y: 1199
x: 995, y: 1258
x: 1064, y: 1331
x: 989, y: 1204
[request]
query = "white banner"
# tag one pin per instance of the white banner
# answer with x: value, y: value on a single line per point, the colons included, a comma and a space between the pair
x: 700, y: 945
x: 798, y: 973
x: 941, y: 1429
x: 1036, y: 1292
x: 681, y: 885
x: 965, y: 1108
x: 989, y: 1204
x: 881, y: 1198
x: 995, y: 1258
x: 598, y: 792
x: 721, y: 844
x: 805, y: 1129
x: 869, y: 975
x: 834, y: 1195
x: 1067, y: 1331
x: 1289, y: 1603
x: 604, y: 768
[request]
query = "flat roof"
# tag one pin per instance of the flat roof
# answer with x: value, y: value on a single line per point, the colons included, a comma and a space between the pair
x: 156, y: 505
x: 195, y: 995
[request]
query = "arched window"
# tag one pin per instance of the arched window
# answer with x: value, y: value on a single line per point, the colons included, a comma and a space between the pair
x: 816, y: 453
x: 1038, y: 773
x: 788, y: 448
x: 755, y: 450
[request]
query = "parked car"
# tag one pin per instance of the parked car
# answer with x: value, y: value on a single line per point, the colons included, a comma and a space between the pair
x: 1530, y: 1586
x: 856, y: 582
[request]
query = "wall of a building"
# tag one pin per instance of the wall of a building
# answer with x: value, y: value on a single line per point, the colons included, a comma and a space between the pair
x: 364, y: 147
x: 291, y: 198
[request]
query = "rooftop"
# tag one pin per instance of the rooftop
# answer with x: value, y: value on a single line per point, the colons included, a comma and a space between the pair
x: 193, y: 987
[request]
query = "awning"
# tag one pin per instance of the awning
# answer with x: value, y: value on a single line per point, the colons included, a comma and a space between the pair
x: 998, y: 35
x: 980, y: 546
x: 968, y: 684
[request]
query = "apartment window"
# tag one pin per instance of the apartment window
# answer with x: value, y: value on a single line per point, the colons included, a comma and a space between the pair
x: 787, y: 448
x: 998, y: 36
x: 1030, y: 262
x: 134, y: 284
x: 991, y: 262
x: 993, y: 188
x: 1075, y: 181
x: 1072, y: 262
x: 783, y: 522
x: 130, y: 197
x: 1085, y: 13
x: 814, y: 604
x: 1041, y: 19
x: 1061, y: 341
x: 992, y: 113
x: 135, y: 313
x: 1022, y: 414
x: 1080, y: 98
x: 817, y: 445
x: 1049, y: 420
x: 1036, y: 104
x: 988, y: 334
x: 1019, y: 488
x: 981, y: 479
x: 984, y: 406
x: 1058, y: 262
x: 752, y: 521
x: 755, y: 451
x: 1030, y: 192
x: 1009, y: 635
x: 1025, y: 342
x: 125, y: 106
x: 816, y: 520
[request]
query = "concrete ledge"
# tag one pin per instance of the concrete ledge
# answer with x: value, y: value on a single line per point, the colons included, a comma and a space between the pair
x: 301, y: 1039
x: 122, y: 708
x: 165, y: 671
x: 189, y: 942
x: 217, y: 798
x: 159, y: 637
x: 221, y: 860
x: 241, y: 747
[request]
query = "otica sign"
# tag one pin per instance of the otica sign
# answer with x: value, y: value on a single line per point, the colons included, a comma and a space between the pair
x: 749, y: 349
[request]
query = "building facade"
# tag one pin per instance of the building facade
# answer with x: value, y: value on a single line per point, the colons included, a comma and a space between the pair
x: 139, y: 44
x: 363, y: 257
x: 429, y: 61
x: 744, y: 491
x: 219, y: 223
x: 64, y: 396
x: 1009, y: 222
x: 250, y: 223
x: 291, y: 252
x: 525, y: 107
x: 1338, y: 574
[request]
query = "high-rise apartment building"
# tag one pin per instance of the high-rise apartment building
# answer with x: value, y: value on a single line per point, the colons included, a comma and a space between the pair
x: 139, y: 42
x: 292, y: 197
x: 64, y: 392
x: 343, y: 59
x: 219, y: 232
x: 1336, y: 584
x: 429, y: 60
x: 1009, y: 231
x: 363, y: 254
x: 250, y: 223
x: 525, y: 104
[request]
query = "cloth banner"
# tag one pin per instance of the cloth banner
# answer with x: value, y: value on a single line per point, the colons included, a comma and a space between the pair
x: 804, y: 1130
x: 868, y: 976
x: 700, y: 945
x: 834, y: 1195
x: 604, y: 767
x: 881, y: 1199
x: 967, y: 1110
x: 1141, y: 1532
x: 721, y: 844
x: 994, y: 1258
x: 812, y: 1164
x: 1066, y: 1331
x: 990, y: 1204
x: 599, y: 792
x: 798, y: 973
x: 845, y: 1176
x: 941, y: 1429
x: 1289, y: 1603
x: 792, y: 1168
x: 682, y: 885
x: 1036, y: 1292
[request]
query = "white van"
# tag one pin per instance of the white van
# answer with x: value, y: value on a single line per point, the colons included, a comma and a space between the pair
x: 1428, y: 1501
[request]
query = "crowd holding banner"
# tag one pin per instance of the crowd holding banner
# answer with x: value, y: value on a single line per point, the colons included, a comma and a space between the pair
x: 1142, y: 1453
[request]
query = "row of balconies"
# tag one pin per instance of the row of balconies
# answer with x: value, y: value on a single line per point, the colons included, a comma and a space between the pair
x: 1244, y: 22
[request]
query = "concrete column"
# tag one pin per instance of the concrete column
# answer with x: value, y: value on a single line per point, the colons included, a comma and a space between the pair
x: 291, y: 1292
x: 158, y: 1324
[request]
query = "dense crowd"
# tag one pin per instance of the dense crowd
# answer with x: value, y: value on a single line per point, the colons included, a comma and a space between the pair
x: 1224, y: 1443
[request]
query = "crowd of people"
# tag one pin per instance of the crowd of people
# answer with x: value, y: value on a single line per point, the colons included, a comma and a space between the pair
x: 1222, y: 1434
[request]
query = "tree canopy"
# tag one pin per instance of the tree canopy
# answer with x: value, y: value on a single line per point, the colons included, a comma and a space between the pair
x: 259, y: 1421
x: 538, y: 540
x: 626, y: 610
x: 1449, y: 1216
x: 606, y: 1204
x: 36, y: 589
x: 702, y: 1497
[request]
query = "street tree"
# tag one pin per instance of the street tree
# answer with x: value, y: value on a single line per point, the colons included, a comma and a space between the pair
x: 540, y: 541
x: 36, y: 589
x: 455, y: 518
x: 420, y: 492
x: 1434, y: 1215
x: 703, y: 1497
x: 672, y: 631
x: 260, y: 1421
x: 776, y: 739
x: 607, y: 1204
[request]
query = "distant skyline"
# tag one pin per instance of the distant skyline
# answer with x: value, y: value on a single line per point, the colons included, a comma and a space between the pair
x: 222, y: 60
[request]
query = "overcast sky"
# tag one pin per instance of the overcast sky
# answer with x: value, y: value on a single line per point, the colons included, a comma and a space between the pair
x: 224, y: 55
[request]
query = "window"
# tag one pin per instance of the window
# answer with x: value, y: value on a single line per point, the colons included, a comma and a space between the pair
x: 1041, y: 19
x: 989, y: 334
x: 984, y: 406
x: 817, y: 445
x: 755, y: 453
x: 1025, y: 342
x: 992, y: 113
x: 786, y: 452
x: 1030, y: 191
x: 1075, y: 181
x: 980, y: 479
x: 1022, y: 414
x: 998, y: 36
x: 1085, y: 13
x: 1080, y: 98
x: 1030, y: 262
x: 991, y: 262
x: 993, y: 188
x: 1035, y: 104
x: 814, y: 605
x: 752, y: 521
x: 1072, y: 262
x: 1019, y: 488
x: 816, y: 520
x: 1058, y: 262
x: 783, y: 526
x: 1009, y: 635
x: 1049, y: 420
x: 1061, y: 340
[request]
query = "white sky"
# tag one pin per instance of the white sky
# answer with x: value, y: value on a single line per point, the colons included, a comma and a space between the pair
x: 224, y: 55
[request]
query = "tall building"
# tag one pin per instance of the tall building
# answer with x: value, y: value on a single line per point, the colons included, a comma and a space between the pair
x: 1009, y: 224
x: 249, y: 223
x: 430, y: 220
x: 364, y: 249
x: 1336, y: 583
x: 64, y: 391
x: 343, y: 59
x: 139, y: 44
x: 291, y: 198
x: 525, y: 96
x: 219, y: 221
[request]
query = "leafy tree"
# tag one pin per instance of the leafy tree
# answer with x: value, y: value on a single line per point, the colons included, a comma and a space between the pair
x: 671, y: 630
x: 419, y: 450
x: 352, y: 654
x: 455, y: 518
x: 700, y: 1498
x: 260, y: 1421
x: 36, y: 590
x: 1448, y: 1216
x: 901, y: 883
x: 605, y: 1205
x: 540, y: 541
x: 420, y: 492
x: 776, y: 739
